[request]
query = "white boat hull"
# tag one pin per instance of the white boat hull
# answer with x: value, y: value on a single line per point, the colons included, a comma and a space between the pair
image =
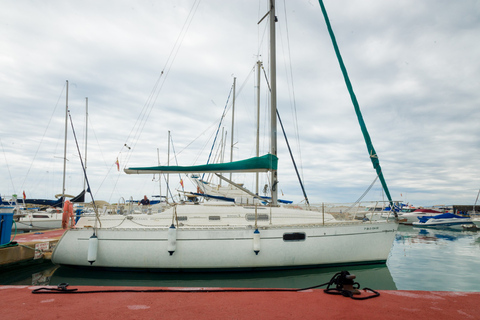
x: 444, y: 223
x: 38, y: 221
x: 228, y: 247
x: 411, y: 217
x: 476, y: 221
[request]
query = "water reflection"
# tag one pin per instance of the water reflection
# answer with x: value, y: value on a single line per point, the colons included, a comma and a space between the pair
x: 372, y: 276
x: 435, y: 259
x: 430, y: 235
x: 36, y: 274
x: 367, y: 276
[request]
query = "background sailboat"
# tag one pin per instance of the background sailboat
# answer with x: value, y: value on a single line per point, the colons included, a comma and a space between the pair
x: 48, y: 213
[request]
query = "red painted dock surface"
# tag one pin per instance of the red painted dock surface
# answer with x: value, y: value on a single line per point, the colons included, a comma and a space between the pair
x: 39, y: 236
x: 18, y: 302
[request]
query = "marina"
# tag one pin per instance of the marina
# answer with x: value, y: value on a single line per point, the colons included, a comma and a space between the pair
x: 231, y: 244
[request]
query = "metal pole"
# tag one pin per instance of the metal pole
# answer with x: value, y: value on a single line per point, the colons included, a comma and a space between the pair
x: 259, y: 67
x: 65, y: 147
x: 86, y: 138
x: 233, y: 122
x: 168, y: 163
x: 273, y: 100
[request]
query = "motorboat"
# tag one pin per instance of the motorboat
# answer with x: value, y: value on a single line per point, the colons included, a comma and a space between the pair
x: 412, y: 216
x: 445, y: 220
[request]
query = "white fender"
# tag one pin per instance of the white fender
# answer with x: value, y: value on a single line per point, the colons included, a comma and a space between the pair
x: 256, y: 241
x: 92, y: 249
x: 172, y: 239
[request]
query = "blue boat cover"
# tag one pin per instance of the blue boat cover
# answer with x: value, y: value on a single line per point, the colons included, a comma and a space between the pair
x: 440, y: 216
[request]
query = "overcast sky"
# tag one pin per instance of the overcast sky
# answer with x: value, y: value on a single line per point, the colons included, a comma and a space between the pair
x: 149, y: 67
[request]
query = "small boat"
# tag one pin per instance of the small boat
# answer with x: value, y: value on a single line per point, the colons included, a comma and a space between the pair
x: 445, y: 220
x: 44, y: 219
x: 476, y: 218
x: 39, y: 220
x: 413, y: 216
x: 476, y: 222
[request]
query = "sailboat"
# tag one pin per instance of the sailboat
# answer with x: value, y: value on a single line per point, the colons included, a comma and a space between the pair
x: 51, y: 214
x: 474, y: 215
x: 224, y: 236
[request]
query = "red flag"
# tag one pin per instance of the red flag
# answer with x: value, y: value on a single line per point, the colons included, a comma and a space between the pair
x: 118, y: 165
x: 24, y: 196
x: 181, y: 182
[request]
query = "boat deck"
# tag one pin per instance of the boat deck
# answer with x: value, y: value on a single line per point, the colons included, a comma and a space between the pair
x: 18, y: 302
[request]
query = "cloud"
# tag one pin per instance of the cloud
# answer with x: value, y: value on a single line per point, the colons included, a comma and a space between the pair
x: 414, y: 68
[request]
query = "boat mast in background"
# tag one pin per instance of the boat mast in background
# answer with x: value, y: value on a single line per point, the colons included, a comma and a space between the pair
x: 65, y: 147
x: 233, y: 122
x: 86, y: 138
x: 168, y: 164
x: 273, y: 101
x: 259, y: 67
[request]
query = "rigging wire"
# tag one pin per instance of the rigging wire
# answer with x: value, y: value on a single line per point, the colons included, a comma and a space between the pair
x: 214, y: 123
x: 43, y: 137
x: 363, y: 195
x: 89, y: 190
x: 371, y: 150
x: 289, y: 149
x: 176, y: 162
x: 8, y: 168
x: 289, y: 72
x: 220, y: 123
x: 478, y: 194
x: 157, y: 88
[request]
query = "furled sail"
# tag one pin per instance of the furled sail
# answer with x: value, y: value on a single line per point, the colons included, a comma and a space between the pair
x: 366, y: 136
x: 264, y: 163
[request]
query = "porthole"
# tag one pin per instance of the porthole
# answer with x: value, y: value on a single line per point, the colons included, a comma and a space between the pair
x: 260, y: 217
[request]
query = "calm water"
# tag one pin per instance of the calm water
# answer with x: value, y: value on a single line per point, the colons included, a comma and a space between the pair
x: 420, y: 259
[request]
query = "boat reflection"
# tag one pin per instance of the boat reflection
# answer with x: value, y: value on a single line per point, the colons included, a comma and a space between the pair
x: 36, y: 274
x: 371, y: 276
x: 411, y: 234
x: 435, y: 259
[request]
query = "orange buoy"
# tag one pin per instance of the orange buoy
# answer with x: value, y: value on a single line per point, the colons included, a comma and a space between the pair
x: 67, y: 214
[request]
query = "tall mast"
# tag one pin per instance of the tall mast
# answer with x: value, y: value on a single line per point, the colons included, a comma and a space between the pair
x: 223, y: 141
x: 233, y: 122
x: 65, y: 146
x: 259, y: 67
x: 273, y: 100
x: 159, y: 175
x: 168, y: 163
x: 86, y: 138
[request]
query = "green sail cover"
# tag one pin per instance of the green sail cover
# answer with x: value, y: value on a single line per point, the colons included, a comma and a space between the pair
x: 257, y: 164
